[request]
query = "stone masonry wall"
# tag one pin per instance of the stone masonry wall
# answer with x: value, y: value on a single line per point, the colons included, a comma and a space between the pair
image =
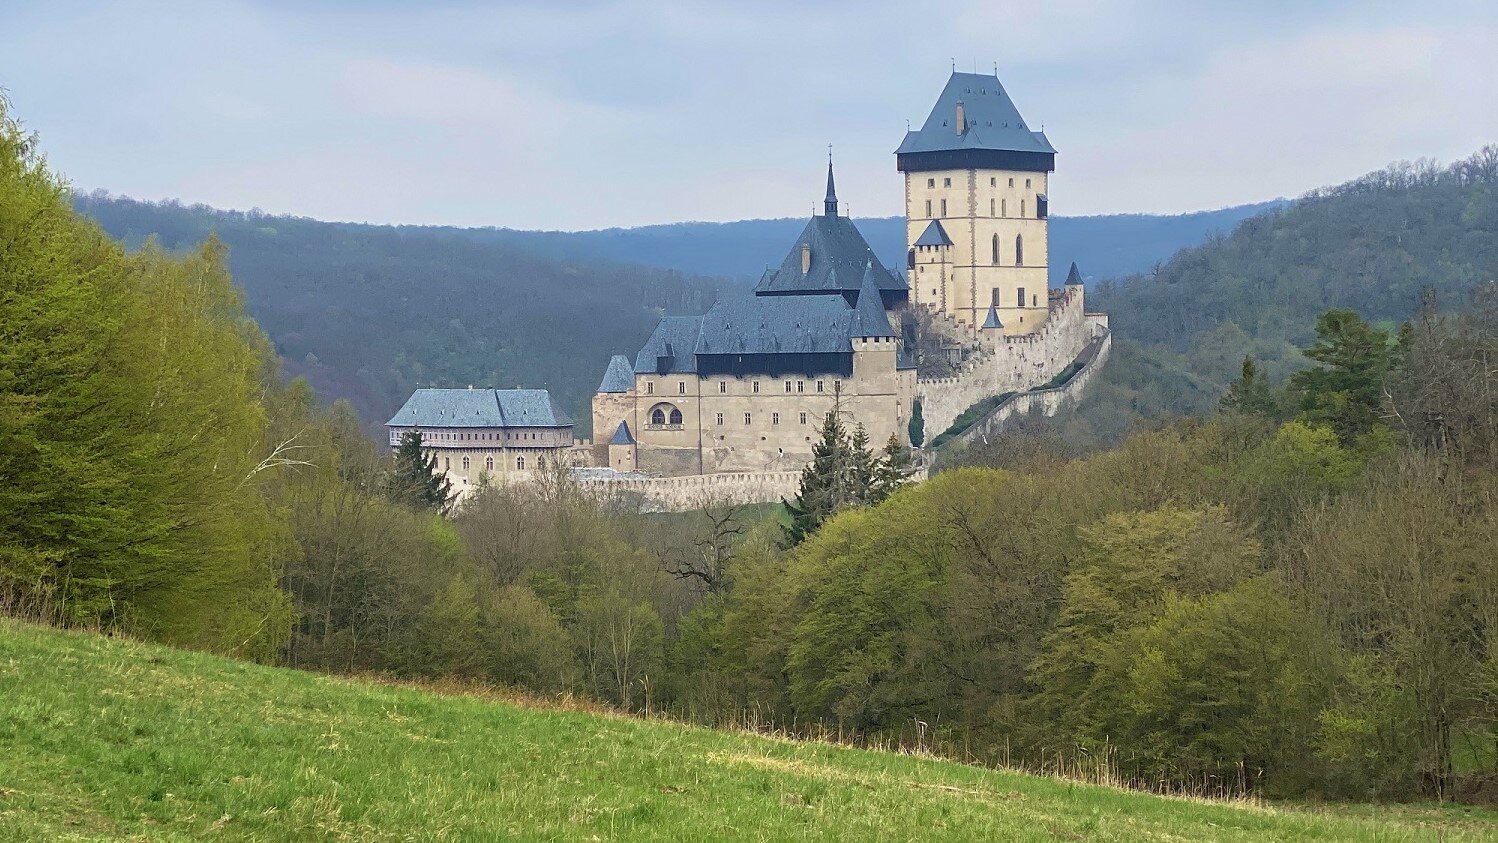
x: 1011, y: 364
x: 676, y: 494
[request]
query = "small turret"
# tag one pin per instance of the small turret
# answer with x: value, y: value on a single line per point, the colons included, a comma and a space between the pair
x: 991, y: 322
x: 1073, y: 278
x: 869, y: 318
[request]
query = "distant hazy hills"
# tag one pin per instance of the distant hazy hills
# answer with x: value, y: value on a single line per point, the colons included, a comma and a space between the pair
x: 369, y: 313
x: 1103, y: 246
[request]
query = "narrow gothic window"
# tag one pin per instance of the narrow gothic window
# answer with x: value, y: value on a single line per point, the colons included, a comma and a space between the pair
x: 990, y: 207
x: 1004, y: 208
x: 1019, y: 253
x: 1021, y: 207
x: 943, y: 207
x: 928, y: 208
x: 675, y: 416
x: 996, y: 249
x: 657, y: 416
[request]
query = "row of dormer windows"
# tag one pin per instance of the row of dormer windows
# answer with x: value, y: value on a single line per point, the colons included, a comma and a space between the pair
x: 800, y: 386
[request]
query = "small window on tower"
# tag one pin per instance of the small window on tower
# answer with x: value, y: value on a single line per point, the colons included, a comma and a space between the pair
x: 928, y: 209
x: 1021, y: 302
x: 1021, y: 207
x: 722, y: 386
x: 756, y: 386
x: 993, y: 182
x: 990, y: 207
x: 1027, y: 184
x: 718, y: 419
x: 931, y: 182
x: 774, y: 418
x: 681, y: 387
x: 943, y: 207
x: 1003, y: 207
x: 1011, y: 182
x: 946, y: 182
x: 748, y: 418
x: 803, y: 418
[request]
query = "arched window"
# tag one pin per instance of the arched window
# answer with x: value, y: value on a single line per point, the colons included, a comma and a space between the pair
x: 488, y: 463
x: 658, y: 416
x: 675, y: 416
x: 996, y: 249
x: 1019, y: 250
x: 520, y: 463
x: 1021, y: 207
x: 663, y: 414
x: 465, y: 463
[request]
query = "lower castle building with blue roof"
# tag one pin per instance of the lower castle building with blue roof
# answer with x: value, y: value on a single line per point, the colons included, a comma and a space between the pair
x: 744, y: 387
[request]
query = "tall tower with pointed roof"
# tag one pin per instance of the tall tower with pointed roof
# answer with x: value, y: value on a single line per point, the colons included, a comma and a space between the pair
x: 976, y: 209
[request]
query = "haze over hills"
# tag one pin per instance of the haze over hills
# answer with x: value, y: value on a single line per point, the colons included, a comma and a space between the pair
x: 1103, y: 246
x: 369, y: 313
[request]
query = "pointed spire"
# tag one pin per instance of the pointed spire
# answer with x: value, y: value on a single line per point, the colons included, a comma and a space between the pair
x: 992, y: 320
x: 869, y: 318
x: 829, y: 204
x: 1074, y: 278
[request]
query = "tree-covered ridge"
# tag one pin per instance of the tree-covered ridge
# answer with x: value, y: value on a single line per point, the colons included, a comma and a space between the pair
x: 1375, y: 245
x: 369, y: 313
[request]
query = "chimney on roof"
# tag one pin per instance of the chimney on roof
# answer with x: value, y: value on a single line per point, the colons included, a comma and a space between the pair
x: 961, y: 119
x: 805, y: 258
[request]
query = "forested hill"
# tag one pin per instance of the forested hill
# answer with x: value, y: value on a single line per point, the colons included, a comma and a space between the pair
x: 1373, y: 245
x: 1103, y: 246
x: 369, y: 313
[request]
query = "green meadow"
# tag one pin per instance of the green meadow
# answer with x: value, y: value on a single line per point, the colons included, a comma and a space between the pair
x: 104, y: 738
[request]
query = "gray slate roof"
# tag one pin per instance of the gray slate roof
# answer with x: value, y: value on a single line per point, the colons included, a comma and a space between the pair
x: 993, y: 121
x: 869, y: 318
x: 671, y: 346
x: 934, y: 235
x: 619, y: 376
x: 480, y: 408
x: 992, y: 319
x: 839, y: 258
x: 1074, y: 277
x: 622, y: 435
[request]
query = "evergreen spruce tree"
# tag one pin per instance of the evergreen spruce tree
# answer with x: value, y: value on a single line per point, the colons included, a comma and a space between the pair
x: 415, y: 480
x: 1249, y: 393
x: 844, y: 472
x: 917, y: 427
x: 894, y: 468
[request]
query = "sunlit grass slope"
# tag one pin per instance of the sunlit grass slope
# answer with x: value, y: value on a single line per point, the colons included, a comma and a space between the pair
x: 104, y: 738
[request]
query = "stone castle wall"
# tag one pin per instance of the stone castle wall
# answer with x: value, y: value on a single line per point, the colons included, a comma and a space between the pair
x: 1047, y: 401
x: 676, y: 494
x: 1012, y: 363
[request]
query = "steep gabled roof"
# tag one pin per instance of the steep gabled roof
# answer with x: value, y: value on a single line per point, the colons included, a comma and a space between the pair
x: 1074, y: 278
x: 839, y: 258
x: 934, y: 235
x: 992, y: 120
x: 619, y: 376
x: 671, y: 347
x: 480, y: 408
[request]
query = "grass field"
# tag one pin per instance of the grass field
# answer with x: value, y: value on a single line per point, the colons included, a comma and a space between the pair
x: 106, y: 739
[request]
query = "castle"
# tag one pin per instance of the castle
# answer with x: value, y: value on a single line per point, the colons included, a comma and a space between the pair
x: 743, y: 387
x: 730, y: 401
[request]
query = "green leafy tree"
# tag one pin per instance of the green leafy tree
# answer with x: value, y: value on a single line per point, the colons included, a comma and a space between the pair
x: 415, y: 480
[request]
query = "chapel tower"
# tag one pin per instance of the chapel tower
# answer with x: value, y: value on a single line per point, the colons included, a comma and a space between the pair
x: 976, y: 209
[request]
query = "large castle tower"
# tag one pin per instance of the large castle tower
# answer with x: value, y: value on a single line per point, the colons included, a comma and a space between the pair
x: 975, y: 209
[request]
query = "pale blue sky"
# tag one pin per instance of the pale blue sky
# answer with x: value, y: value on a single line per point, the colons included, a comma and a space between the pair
x: 591, y: 114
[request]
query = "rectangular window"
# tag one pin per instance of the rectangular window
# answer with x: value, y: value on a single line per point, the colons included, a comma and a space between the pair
x: 1004, y: 207
x: 681, y: 387
x: 1011, y: 182
x: 946, y: 182
x: 803, y: 418
x: 928, y: 209
x: 756, y: 386
x: 748, y: 417
x: 800, y: 386
x: 931, y: 182
x: 722, y: 386
x: 1022, y: 208
x: 719, y: 418
x: 774, y: 418
x: 943, y: 207
x: 837, y: 385
x: 990, y: 207
x: 1027, y: 184
x: 1035, y: 301
x: 650, y: 387
x: 819, y: 386
x: 994, y: 298
x: 993, y: 182
x: 787, y: 386
x: 1021, y: 297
